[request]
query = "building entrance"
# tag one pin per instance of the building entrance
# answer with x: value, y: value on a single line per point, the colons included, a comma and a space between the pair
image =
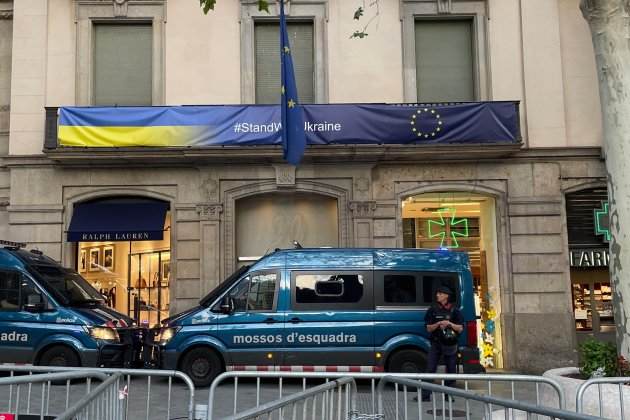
x: 123, y: 250
x: 465, y: 222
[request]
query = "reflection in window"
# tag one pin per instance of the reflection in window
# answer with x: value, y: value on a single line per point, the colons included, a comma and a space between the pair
x: 310, y: 288
x: 261, y: 292
x: 9, y: 291
x: 399, y: 289
x: 255, y: 293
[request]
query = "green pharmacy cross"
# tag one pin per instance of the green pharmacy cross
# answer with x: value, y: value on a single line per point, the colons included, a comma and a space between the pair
x: 452, y: 227
x: 602, y: 221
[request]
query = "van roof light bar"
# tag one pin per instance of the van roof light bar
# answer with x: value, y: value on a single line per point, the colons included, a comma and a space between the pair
x: 13, y: 244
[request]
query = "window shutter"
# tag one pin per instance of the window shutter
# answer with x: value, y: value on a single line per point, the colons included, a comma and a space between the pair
x: 444, y: 60
x: 122, y: 64
x: 267, y: 44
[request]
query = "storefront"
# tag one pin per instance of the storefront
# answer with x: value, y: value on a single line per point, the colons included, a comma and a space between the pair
x: 123, y: 250
x: 466, y: 222
x: 588, y: 234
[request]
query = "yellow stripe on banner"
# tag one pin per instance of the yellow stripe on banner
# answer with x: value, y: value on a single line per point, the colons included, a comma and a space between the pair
x: 156, y: 136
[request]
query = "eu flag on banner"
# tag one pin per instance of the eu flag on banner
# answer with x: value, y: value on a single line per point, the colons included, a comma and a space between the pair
x: 293, y: 136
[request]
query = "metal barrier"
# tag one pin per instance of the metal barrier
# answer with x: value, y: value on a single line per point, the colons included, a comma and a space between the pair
x: 149, y: 391
x: 488, y: 384
x: 614, y: 391
x: 16, y: 403
x: 336, y: 401
x: 105, y: 402
x: 510, y: 409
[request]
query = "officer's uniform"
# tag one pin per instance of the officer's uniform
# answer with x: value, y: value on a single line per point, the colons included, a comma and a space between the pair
x: 437, y: 313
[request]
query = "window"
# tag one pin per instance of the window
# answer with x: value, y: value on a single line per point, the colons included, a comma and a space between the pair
x: 444, y: 45
x: 122, y: 64
x: 9, y: 290
x: 267, y: 46
x: 255, y: 293
x: 412, y: 289
x: 444, y: 60
x: 139, y: 27
x: 399, y: 289
x: 260, y: 70
x: 331, y: 290
x: 430, y: 283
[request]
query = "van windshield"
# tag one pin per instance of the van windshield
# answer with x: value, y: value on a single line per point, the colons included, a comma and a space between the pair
x: 222, y: 287
x: 67, y: 284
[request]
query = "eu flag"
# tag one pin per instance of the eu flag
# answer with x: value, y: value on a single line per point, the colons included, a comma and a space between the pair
x: 293, y: 136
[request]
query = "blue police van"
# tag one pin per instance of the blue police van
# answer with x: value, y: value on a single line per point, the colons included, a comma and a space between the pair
x: 356, y: 310
x: 49, y: 315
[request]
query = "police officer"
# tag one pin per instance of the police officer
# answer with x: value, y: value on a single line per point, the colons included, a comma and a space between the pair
x: 444, y: 322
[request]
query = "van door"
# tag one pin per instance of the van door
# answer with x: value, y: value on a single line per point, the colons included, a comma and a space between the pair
x: 330, y: 321
x: 20, y: 329
x: 252, y: 332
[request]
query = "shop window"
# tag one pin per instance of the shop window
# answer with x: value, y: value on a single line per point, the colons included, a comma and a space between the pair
x: 266, y: 35
x: 464, y: 222
x: 593, y: 309
x: 132, y: 277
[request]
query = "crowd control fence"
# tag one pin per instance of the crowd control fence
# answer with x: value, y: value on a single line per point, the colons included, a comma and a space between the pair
x: 233, y: 392
x: 605, y: 397
x: 148, y: 394
x: 29, y: 395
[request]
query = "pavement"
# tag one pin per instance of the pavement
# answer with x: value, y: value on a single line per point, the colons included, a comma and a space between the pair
x: 159, y: 399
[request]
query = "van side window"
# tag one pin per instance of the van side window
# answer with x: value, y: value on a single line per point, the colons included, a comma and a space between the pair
x: 255, y: 292
x: 328, y: 290
x: 431, y: 281
x: 399, y: 288
x: 9, y: 291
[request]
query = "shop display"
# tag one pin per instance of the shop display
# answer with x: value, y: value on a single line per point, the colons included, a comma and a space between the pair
x: 589, y: 297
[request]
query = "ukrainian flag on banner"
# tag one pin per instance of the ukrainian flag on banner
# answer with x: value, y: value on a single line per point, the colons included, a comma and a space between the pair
x: 293, y: 136
x: 131, y: 127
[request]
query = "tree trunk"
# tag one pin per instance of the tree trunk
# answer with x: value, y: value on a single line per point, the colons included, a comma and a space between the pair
x: 609, y: 23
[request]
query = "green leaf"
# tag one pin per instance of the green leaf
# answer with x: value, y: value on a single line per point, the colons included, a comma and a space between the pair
x: 359, y: 34
x: 358, y: 13
x: 207, y: 5
x: 263, y: 5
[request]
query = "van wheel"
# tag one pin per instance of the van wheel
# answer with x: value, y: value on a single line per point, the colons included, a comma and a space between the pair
x: 202, y: 365
x: 59, y: 356
x: 407, y: 361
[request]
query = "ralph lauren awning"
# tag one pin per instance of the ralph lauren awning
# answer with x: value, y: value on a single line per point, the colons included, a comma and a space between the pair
x: 124, y: 219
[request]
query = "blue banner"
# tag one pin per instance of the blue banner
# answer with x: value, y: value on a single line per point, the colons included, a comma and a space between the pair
x: 244, y: 125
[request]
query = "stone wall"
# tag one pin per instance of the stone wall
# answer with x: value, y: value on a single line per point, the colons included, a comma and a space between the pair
x: 533, y: 269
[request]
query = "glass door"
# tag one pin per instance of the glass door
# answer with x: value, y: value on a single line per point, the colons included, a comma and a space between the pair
x: 148, y: 286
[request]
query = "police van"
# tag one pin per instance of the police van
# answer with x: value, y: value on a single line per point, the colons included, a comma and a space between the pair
x: 358, y: 310
x: 49, y: 315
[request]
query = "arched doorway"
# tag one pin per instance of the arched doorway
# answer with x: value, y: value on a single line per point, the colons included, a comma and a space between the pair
x: 123, y: 249
x: 274, y: 220
x: 466, y: 222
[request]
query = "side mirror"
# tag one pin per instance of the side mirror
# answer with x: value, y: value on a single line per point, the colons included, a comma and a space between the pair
x: 227, y: 305
x: 34, y: 303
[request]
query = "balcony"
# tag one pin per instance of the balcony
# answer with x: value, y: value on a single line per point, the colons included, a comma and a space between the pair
x: 250, y: 133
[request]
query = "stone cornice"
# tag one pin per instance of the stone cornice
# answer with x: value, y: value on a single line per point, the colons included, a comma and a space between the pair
x: 331, y: 154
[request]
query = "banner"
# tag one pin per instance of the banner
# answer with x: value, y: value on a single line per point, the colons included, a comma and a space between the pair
x: 247, y: 125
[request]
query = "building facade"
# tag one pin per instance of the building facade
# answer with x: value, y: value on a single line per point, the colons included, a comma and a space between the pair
x: 222, y: 207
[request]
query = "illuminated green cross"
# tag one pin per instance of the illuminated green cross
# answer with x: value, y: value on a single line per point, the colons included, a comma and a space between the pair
x: 448, y: 226
x: 602, y: 221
